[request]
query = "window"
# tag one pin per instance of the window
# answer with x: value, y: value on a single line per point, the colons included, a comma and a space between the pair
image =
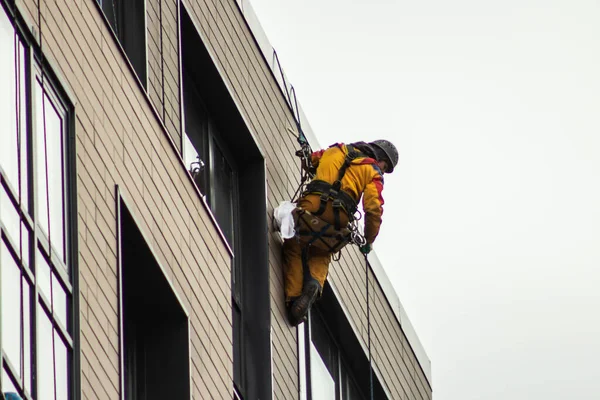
x: 155, y: 335
x: 229, y: 171
x: 332, y: 363
x: 36, y: 291
x: 128, y: 20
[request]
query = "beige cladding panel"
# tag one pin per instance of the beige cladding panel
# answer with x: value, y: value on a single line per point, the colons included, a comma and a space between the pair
x: 119, y: 136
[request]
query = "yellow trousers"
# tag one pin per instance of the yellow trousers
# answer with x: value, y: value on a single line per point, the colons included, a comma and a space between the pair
x: 318, y: 259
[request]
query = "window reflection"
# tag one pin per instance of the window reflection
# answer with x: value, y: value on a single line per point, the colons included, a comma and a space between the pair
x: 50, y: 182
x: 60, y: 363
x: 59, y: 300
x: 7, y: 385
x: 27, y: 336
x: 223, y: 194
x: 10, y: 216
x: 23, y: 138
x: 8, y: 101
x: 11, y: 300
x: 322, y: 383
x: 302, y: 361
x: 45, y: 364
x: 42, y: 270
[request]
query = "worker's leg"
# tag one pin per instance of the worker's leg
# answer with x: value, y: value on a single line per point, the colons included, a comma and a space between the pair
x: 292, y: 268
x: 318, y: 263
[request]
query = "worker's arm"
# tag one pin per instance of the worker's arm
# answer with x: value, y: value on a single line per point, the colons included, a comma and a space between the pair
x: 373, y: 207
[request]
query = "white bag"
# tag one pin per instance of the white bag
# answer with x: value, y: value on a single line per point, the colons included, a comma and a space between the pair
x: 284, y: 221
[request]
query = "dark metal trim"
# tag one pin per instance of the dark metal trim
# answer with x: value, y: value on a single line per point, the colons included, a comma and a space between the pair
x: 118, y: 201
x: 307, y: 362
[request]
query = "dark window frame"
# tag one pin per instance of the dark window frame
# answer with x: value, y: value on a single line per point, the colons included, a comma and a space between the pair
x: 250, y: 297
x: 124, y: 212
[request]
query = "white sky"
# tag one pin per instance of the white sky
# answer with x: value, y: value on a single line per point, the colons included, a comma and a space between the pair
x: 491, y: 233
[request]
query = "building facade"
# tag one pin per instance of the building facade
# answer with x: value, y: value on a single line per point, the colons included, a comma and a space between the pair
x: 143, y: 147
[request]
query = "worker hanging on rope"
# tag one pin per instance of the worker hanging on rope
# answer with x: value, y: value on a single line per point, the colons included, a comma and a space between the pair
x: 325, y: 218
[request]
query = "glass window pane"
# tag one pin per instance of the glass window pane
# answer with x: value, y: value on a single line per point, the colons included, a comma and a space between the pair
x: 349, y: 389
x: 24, y: 194
x: 302, y: 361
x: 10, y: 216
x: 59, y: 300
x: 190, y: 155
x: 322, y: 383
x: 8, y: 101
x: 42, y: 270
x: 25, y: 239
x: 45, y: 361
x: 50, y: 182
x: 27, y: 335
x: 223, y: 194
x: 60, y: 364
x: 324, y: 344
x: 11, y: 307
x: 7, y: 385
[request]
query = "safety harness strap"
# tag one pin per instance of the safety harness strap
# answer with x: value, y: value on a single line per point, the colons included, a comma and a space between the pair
x: 333, y: 191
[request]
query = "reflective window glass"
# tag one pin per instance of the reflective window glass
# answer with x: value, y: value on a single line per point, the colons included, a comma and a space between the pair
x: 11, y: 307
x: 42, y: 270
x: 9, y: 216
x: 59, y: 300
x: 50, y: 180
x: 61, y: 358
x: 190, y: 155
x: 27, y: 335
x: 7, y: 385
x: 223, y: 194
x: 45, y: 357
x: 24, y: 190
x: 349, y: 389
x: 302, y: 361
x: 25, y: 239
x: 322, y: 383
x: 8, y: 101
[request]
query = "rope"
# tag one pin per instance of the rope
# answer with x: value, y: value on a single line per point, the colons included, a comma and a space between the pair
x: 47, y: 195
x: 369, y: 329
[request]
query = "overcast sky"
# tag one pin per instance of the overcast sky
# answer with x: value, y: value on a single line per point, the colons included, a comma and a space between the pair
x: 491, y: 232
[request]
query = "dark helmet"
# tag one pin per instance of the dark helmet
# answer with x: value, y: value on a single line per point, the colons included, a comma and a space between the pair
x: 385, y: 150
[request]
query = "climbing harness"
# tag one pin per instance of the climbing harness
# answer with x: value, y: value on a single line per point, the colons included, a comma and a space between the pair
x: 310, y: 228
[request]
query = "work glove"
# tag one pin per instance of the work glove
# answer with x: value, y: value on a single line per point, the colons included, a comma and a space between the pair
x: 365, y: 249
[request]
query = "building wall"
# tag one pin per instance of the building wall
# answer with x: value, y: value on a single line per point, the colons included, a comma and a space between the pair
x: 130, y: 138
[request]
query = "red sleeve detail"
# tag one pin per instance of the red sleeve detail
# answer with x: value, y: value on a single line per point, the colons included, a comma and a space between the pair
x: 379, y: 185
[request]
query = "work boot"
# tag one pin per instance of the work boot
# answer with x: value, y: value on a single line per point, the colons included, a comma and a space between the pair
x: 299, y: 308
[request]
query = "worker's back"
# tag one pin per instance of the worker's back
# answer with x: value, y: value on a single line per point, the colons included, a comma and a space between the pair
x: 360, y: 173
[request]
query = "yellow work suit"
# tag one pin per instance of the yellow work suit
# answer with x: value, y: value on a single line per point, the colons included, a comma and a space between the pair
x: 362, y: 178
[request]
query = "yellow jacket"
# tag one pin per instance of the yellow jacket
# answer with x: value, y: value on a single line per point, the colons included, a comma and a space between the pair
x: 362, y: 178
